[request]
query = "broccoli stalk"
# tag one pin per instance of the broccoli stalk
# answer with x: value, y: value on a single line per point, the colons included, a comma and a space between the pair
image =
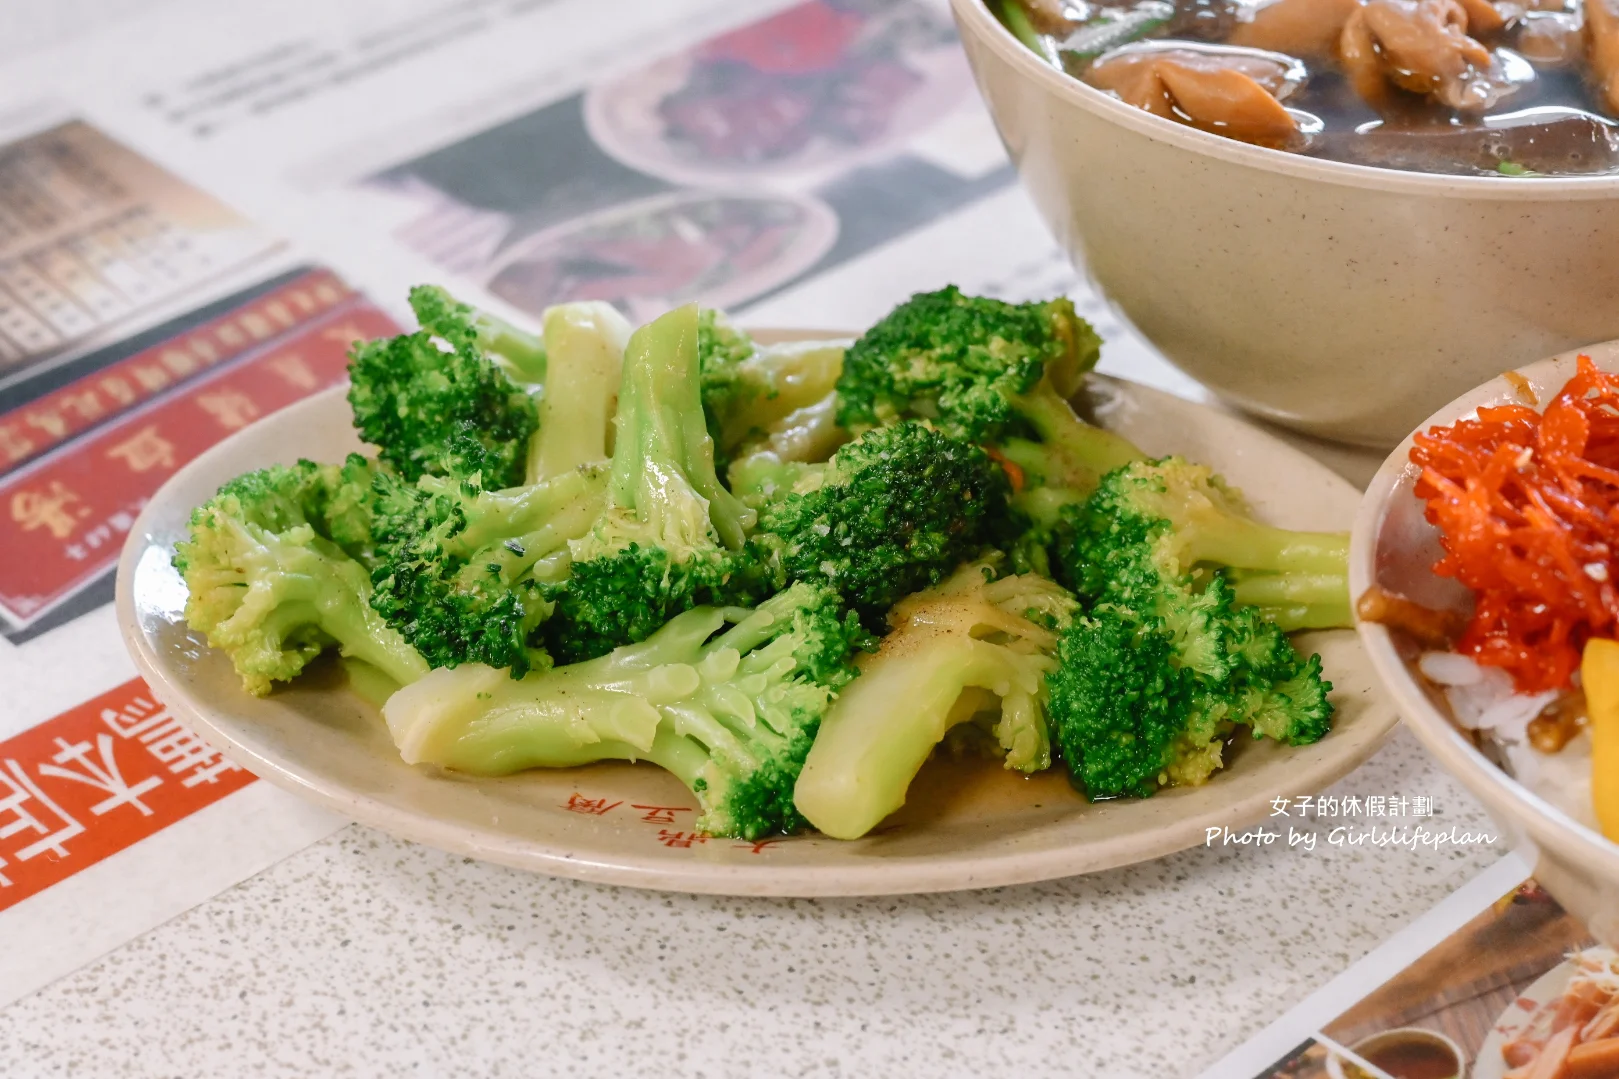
x: 269, y: 581
x: 968, y: 644
x: 663, y: 442
x: 766, y: 397
x: 894, y: 511
x: 670, y: 535
x: 989, y: 372
x: 1167, y: 663
x: 585, y: 343
x: 731, y: 715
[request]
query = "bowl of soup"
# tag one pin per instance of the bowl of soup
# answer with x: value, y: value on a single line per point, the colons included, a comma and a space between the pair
x: 1336, y: 214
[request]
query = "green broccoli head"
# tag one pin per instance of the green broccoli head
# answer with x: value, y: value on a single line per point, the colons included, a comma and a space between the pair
x: 1167, y: 664
x: 961, y: 361
x: 893, y: 512
x: 991, y: 372
x: 432, y: 411
x: 270, y: 583
x: 519, y: 352
x: 461, y: 572
x: 670, y: 535
x: 621, y: 597
x: 730, y: 712
x: 1194, y: 519
x: 1142, y: 700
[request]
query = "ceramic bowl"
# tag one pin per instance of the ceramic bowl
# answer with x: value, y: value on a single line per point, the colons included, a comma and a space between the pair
x: 1395, y: 547
x: 1342, y: 301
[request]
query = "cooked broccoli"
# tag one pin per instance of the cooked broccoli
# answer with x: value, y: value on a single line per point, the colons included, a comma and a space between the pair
x: 435, y: 412
x: 1299, y: 580
x: 763, y: 478
x: 1149, y: 690
x: 585, y: 343
x: 732, y: 715
x: 546, y: 559
x: 273, y: 578
x: 957, y: 651
x: 517, y: 350
x: 1167, y: 662
x: 991, y: 372
x: 894, y: 511
x: 462, y: 570
x: 756, y: 395
x: 671, y: 535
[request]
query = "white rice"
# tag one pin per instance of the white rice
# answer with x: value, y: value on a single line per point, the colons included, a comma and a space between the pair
x: 1482, y: 699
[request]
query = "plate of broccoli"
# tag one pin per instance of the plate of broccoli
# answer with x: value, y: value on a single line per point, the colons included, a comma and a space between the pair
x: 780, y: 613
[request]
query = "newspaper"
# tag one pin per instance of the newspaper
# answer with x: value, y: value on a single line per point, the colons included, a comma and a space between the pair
x: 202, y: 209
x: 1497, y: 981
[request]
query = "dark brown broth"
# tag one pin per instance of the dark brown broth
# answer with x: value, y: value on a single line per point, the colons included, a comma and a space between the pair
x: 1550, y: 126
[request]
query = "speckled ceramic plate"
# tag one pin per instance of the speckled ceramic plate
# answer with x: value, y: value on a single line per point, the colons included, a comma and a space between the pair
x: 967, y: 825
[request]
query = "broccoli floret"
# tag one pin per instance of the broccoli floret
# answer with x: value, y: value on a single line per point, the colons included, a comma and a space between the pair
x: 461, y: 571
x: 893, y: 512
x: 518, y: 351
x: 1147, y: 693
x: 432, y: 411
x: 967, y: 647
x: 271, y: 571
x: 990, y: 372
x: 671, y: 535
x: 1167, y: 662
x: 754, y: 395
x: 1298, y: 580
x: 732, y: 715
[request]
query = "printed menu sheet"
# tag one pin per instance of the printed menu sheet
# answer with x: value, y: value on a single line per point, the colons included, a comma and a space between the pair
x: 1497, y: 982
x: 142, y: 320
x: 192, y: 241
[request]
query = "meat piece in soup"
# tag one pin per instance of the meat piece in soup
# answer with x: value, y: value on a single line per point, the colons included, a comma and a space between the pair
x: 1423, y: 47
x: 1304, y: 28
x: 1551, y: 39
x: 1051, y: 16
x: 1238, y: 92
x: 1484, y: 17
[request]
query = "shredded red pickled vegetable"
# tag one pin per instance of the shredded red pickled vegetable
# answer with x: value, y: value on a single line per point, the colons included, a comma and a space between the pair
x: 1528, y: 505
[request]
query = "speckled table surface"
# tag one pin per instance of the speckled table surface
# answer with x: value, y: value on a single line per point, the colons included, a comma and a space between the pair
x: 367, y: 956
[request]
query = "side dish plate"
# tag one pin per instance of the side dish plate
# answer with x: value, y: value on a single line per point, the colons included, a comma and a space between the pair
x: 1394, y: 546
x: 968, y: 824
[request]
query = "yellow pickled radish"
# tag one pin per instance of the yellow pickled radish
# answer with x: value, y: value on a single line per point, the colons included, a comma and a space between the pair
x: 1599, y: 671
